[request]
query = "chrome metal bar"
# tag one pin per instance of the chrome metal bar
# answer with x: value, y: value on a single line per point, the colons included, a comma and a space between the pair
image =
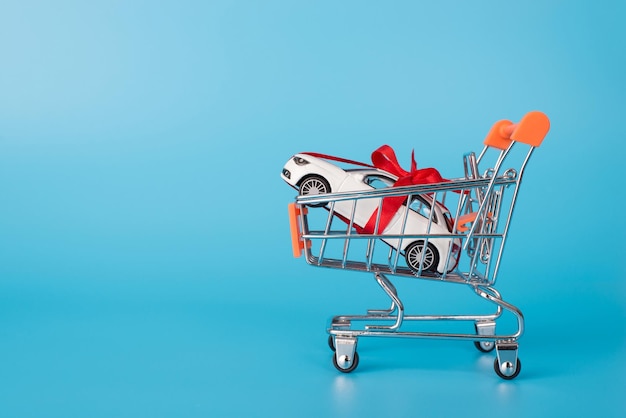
x: 492, y: 295
x: 505, y: 232
x: 346, y: 244
x: 488, y: 243
x: 404, y: 220
x: 369, y: 252
x: 490, y: 186
x: 374, y: 313
x: 419, y: 189
x: 414, y: 318
x: 391, y: 291
x: 371, y: 243
x: 342, y: 235
x: 390, y: 265
x: 427, y: 335
x: 482, y: 154
x: 331, y: 212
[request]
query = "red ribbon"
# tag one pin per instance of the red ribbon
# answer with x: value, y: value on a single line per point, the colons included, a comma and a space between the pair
x: 384, y: 158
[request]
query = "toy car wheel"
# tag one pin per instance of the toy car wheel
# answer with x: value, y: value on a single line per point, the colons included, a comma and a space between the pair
x: 355, y: 362
x: 413, y: 256
x: 498, y: 369
x: 313, y: 185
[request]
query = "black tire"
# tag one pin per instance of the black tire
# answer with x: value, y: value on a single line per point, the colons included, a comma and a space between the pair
x: 483, y: 349
x: 355, y: 363
x: 496, y: 367
x: 413, y: 256
x: 312, y: 185
x: 331, y: 342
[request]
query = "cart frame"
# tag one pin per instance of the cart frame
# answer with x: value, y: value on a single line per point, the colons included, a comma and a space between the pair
x: 484, y: 205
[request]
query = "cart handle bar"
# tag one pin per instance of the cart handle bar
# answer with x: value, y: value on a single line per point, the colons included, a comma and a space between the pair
x: 531, y: 130
x: 297, y: 244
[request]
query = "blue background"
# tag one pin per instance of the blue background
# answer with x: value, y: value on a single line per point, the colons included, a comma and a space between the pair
x: 145, y: 261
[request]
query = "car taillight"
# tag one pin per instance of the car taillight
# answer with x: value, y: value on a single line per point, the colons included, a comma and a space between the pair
x: 456, y: 249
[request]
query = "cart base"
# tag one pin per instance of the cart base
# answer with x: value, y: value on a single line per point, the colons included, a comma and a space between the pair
x: 344, y: 335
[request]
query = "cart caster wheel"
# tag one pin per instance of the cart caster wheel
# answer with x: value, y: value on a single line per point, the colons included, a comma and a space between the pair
x: 331, y: 342
x: 485, y: 328
x: 485, y: 346
x: 507, y: 371
x: 341, y: 368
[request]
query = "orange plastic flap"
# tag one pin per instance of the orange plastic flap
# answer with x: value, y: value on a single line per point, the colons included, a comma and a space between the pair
x: 532, y: 129
x: 297, y: 244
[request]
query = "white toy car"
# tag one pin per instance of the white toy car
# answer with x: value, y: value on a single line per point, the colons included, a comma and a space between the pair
x: 312, y: 175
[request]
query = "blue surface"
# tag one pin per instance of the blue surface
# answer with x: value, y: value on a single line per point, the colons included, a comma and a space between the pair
x: 145, y: 262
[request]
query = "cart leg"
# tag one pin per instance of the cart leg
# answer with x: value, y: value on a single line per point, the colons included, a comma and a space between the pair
x: 484, y: 328
x: 507, y: 364
x: 396, y: 304
x: 345, y: 357
x: 390, y: 290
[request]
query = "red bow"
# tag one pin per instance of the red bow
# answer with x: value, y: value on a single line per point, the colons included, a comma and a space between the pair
x: 385, y: 159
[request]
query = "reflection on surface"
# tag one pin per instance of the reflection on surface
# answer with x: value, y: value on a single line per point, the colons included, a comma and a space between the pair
x: 485, y: 363
x: 344, y: 393
x: 506, y: 391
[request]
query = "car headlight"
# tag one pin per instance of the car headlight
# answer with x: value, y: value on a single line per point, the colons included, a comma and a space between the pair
x: 300, y: 161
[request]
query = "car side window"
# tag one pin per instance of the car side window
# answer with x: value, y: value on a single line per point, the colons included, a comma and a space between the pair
x: 423, y: 208
x: 378, y: 182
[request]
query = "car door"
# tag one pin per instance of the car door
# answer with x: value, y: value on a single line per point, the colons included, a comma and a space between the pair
x: 354, y: 182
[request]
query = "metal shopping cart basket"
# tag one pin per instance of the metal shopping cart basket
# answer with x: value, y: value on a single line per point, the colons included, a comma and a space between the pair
x: 453, y: 231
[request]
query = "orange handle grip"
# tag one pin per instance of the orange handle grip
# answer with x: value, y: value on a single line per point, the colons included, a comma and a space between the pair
x: 532, y: 129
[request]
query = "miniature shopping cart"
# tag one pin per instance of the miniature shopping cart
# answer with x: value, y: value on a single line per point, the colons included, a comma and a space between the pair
x: 476, y: 211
